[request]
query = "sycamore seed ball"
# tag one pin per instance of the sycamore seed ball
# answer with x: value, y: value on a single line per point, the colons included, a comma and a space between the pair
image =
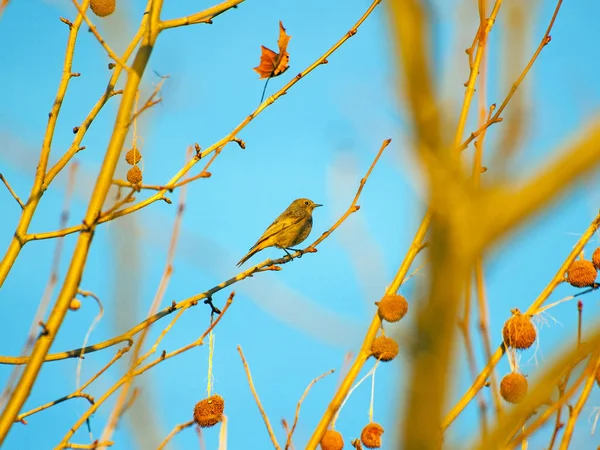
x: 371, y: 435
x: 209, y: 412
x: 332, y: 440
x: 519, y: 332
x: 392, y: 308
x: 134, y: 175
x: 75, y: 304
x: 513, y: 388
x: 384, y: 348
x: 581, y: 273
x: 133, y: 156
x: 103, y: 8
x: 596, y: 258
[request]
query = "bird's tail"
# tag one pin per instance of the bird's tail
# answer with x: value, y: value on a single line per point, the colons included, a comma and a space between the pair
x: 249, y: 255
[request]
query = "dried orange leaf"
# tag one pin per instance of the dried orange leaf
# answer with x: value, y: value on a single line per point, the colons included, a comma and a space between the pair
x: 273, y: 64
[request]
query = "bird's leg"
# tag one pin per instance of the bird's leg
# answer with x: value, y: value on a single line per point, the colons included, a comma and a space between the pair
x: 287, y: 253
x: 209, y: 301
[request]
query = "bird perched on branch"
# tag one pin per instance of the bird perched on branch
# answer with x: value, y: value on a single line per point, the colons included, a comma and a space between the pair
x: 289, y: 229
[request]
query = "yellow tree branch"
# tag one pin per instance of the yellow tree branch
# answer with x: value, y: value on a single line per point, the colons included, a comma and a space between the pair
x: 37, y: 189
x: 78, y: 260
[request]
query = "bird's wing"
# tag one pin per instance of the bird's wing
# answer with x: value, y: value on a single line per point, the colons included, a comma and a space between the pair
x: 281, y: 223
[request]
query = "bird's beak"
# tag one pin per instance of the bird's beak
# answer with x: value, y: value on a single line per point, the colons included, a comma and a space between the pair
x: 317, y: 205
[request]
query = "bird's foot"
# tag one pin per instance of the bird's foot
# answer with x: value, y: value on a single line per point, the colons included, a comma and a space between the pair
x: 295, y: 250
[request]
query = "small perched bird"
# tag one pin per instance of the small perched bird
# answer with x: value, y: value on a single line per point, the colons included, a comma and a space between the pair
x: 288, y: 230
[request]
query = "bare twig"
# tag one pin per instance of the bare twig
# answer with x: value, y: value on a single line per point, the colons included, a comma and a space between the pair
x: 95, y: 322
x: 173, y: 432
x: 297, y: 415
x: 12, y: 192
x: 260, y: 407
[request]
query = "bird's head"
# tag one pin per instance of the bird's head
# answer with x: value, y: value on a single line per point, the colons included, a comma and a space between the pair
x: 305, y: 203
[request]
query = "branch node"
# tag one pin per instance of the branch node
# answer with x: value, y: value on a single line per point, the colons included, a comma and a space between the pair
x: 213, y: 308
x: 45, y: 331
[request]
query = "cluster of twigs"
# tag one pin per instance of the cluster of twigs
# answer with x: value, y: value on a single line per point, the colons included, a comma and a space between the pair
x: 142, y: 44
x: 461, y: 225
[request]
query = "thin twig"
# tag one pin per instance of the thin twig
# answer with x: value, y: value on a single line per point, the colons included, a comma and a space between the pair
x: 12, y: 192
x: 173, y: 432
x: 297, y: 415
x: 95, y: 322
x: 260, y: 407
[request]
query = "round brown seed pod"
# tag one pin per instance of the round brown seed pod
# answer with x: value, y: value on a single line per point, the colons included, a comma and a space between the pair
x: 371, y: 435
x: 384, y: 348
x: 134, y: 175
x: 209, y: 412
x: 581, y: 273
x: 332, y: 440
x: 392, y: 308
x: 103, y: 8
x: 596, y: 258
x: 133, y: 156
x: 513, y: 387
x: 518, y: 331
x: 75, y: 304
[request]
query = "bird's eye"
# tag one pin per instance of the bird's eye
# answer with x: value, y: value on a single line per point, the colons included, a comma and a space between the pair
x: 306, y: 203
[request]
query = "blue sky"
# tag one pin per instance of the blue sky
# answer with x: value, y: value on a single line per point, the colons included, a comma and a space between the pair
x: 316, y: 142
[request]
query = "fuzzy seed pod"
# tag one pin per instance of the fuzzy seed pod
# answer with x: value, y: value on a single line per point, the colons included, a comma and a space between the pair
x: 75, y: 304
x: 596, y: 258
x: 134, y: 175
x: 103, y: 8
x: 518, y: 331
x: 513, y: 387
x: 332, y: 440
x: 209, y: 412
x: 581, y: 273
x: 392, y: 308
x: 384, y: 348
x: 133, y: 156
x: 371, y: 435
